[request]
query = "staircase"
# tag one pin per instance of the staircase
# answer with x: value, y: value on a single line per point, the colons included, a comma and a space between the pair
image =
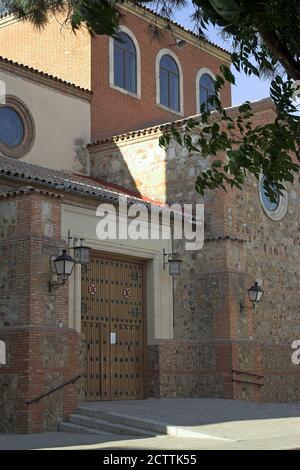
x: 92, y: 421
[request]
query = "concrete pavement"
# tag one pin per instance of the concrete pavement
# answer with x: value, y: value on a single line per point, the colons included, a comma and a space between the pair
x: 228, y: 424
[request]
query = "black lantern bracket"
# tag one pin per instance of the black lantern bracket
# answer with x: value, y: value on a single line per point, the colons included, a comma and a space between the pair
x: 255, y: 294
x: 245, y: 307
x: 63, y: 266
x: 81, y: 253
x: 54, y: 285
x: 174, y: 264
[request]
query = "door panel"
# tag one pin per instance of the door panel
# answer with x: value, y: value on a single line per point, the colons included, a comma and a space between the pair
x: 112, y: 302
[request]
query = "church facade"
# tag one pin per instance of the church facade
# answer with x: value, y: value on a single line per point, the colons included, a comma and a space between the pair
x: 85, y: 135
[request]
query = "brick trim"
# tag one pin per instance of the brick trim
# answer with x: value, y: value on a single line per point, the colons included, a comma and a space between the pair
x: 44, y: 78
x: 257, y: 106
x: 146, y: 13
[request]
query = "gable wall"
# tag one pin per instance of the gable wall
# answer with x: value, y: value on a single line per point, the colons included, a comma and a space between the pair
x: 54, y: 49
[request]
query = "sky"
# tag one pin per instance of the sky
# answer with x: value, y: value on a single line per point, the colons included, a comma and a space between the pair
x: 246, y: 88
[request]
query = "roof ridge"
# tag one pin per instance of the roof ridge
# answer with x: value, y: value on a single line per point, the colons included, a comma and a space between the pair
x: 5, y: 14
x: 26, y: 190
x: 144, y: 131
x: 45, y: 75
x: 178, y: 25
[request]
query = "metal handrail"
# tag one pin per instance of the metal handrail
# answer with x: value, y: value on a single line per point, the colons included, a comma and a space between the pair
x: 248, y: 373
x: 72, y: 381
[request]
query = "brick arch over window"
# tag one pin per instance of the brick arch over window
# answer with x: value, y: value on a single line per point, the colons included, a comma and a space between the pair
x: 112, y: 81
x: 160, y: 55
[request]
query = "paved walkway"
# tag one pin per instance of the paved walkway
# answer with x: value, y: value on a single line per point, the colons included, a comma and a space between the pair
x: 228, y: 424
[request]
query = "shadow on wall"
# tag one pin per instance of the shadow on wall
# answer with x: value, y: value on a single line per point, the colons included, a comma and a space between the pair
x: 110, y: 166
x: 214, y: 279
x: 137, y: 163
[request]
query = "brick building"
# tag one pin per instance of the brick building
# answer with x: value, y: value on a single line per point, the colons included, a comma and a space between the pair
x: 88, y: 62
x: 122, y: 322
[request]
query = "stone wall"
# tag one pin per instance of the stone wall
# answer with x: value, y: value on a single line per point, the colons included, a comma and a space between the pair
x: 40, y: 354
x: 189, y: 365
x: 272, y: 256
x: 224, y: 350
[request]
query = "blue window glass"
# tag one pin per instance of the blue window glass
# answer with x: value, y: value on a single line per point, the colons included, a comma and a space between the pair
x: 207, y: 89
x: 169, y: 83
x: 125, y: 69
x: 267, y: 202
x: 11, y: 127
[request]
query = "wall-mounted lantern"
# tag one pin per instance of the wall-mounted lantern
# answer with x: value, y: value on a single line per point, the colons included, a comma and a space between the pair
x: 255, y: 294
x: 63, y: 265
x: 174, y: 264
x: 180, y: 43
x: 81, y: 253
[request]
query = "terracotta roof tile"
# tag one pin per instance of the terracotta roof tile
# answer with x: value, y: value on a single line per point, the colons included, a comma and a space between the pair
x: 26, y: 190
x: 4, y: 15
x: 16, y: 170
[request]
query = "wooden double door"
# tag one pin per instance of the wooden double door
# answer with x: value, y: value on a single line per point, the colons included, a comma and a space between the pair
x: 113, y: 320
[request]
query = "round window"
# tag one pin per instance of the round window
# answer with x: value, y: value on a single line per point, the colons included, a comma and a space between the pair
x: 11, y: 127
x: 16, y: 128
x: 274, y: 209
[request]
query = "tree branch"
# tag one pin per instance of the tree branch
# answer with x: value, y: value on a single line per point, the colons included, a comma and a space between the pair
x: 281, y: 53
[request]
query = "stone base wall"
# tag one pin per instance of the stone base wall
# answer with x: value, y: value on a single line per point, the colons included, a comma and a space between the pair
x: 179, y: 369
x: 266, y: 372
x: 39, y: 354
x: 38, y: 360
x: 242, y: 370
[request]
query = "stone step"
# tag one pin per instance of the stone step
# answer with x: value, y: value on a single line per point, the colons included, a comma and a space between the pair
x: 147, y: 426
x: 108, y: 426
x: 76, y: 428
x: 140, y: 423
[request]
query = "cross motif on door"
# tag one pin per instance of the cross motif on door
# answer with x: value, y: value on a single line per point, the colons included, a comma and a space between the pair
x: 92, y: 289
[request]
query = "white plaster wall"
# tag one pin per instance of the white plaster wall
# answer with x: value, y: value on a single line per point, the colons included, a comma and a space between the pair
x: 159, y: 293
x: 59, y: 120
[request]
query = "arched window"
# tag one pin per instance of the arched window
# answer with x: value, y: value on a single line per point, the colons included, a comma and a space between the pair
x: 206, y: 89
x: 125, y: 63
x: 169, y: 83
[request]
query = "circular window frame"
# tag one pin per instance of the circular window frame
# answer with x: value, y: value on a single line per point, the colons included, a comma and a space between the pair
x: 281, y: 210
x: 29, y: 128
